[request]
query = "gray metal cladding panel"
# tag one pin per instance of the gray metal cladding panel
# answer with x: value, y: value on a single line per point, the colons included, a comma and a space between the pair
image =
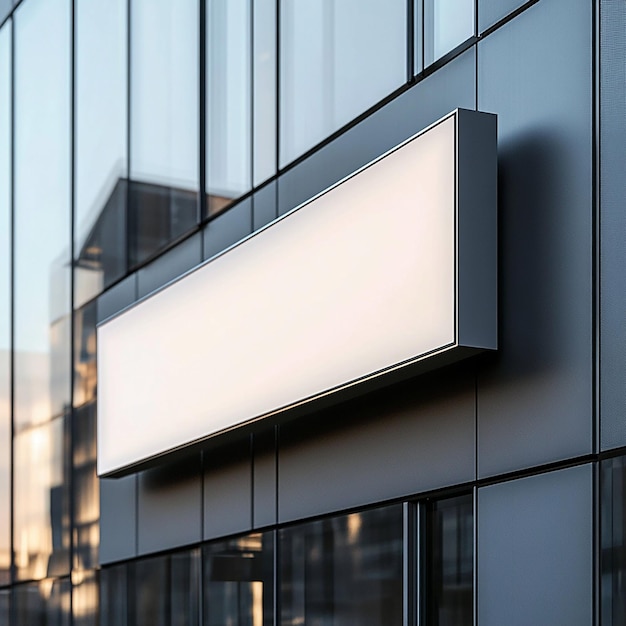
x: 264, y: 207
x: 535, y: 563
x: 169, y: 506
x: 407, y: 439
x: 613, y: 223
x: 227, y: 489
x: 264, y: 479
x: 117, y: 298
x: 170, y: 265
x: 118, y: 519
x: 535, y: 398
x: 492, y: 11
x: 451, y: 87
x: 229, y: 228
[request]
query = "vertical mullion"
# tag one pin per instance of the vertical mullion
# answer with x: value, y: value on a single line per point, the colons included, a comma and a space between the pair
x: 127, y: 209
x: 277, y: 96
x: 70, y: 417
x: 410, y: 66
x: 202, y: 200
x: 251, y: 100
x: 12, y: 570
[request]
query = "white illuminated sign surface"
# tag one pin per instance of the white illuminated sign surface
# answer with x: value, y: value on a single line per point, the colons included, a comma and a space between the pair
x: 360, y: 280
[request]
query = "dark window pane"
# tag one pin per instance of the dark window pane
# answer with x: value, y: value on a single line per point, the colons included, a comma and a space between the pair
x: 337, y: 58
x: 42, y: 211
x: 163, y: 123
x: 46, y: 603
x: 447, y: 23
x: 41, y: 514
x: 100, y: 141
x: 229, y: 120
x: 114, y: 606
x: 450, y: 562
x: 343, y: 571
x: 166, y: 590
x: 613, y: 539
x: 5, y: 303
x: 238, y: 587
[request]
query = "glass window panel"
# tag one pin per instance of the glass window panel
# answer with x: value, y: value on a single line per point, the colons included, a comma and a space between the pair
x: 42, y: 211
x: 343, y: 571
x: 166, y: 590
x: 41, y: 512
x: 46, y: 603
x: 100, y: 144
x: 164, y: 147
x: 613, y: 541
x: 5, y: 303
x: 447, y: 23
x: 85, y: 354
x: 337, y: 58
x: 239, y: 581
x: 114, y: 606
x: 264, y: 85
x: 86, y: 489
x: 450, y: 562
x: 5, y: 606
x: 228, y: 102
x: 85, y: 599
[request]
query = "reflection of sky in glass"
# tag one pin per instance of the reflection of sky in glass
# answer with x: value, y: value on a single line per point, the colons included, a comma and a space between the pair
x: 337, y: 59
x: 41, y: 170
x: 100, y: 113
x: 5, y: 260
x: 228, y: 101
x: 164, y: 92
x: 453, y: 24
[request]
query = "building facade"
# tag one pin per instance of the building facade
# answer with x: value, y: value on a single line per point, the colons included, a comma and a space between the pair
x: 140, y: 138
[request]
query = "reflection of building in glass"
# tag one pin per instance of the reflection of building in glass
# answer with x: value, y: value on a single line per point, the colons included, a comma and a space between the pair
x: 139, y: 138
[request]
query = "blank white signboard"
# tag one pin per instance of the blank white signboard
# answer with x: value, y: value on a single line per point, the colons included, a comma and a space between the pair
x: 363, y: 280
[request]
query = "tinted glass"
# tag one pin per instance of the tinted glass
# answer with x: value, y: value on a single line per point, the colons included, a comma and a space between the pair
x: 450, y: 562
x: 343, y: 571
x: 85, y: 594
x: 166, y: 590
x: 5, y: 606
x: 613, y: 539
x: 114, y: 605
x: 86, y: 489
x: 447, y: 23
x: 42, y: 211
x: 238, y: 587
x: 337, y: 58
x: 5, y: 303
x: 41, y: 513
x: 228, y: 102
x: 164, y: 146
x: 100, y: 56
x: 85, y: 354
x: 42, y: 604
x: 264, y: 84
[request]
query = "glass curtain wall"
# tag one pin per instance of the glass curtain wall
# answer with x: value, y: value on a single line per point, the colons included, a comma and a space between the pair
x: 337, y: 59
x: 613, y: 541
x: 42, y: 308
x: 5, y: 304
x: 164, y: 123
x: 100, y: 143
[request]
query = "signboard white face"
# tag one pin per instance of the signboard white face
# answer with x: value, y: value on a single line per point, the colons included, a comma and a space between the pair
x: 360, y: 280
